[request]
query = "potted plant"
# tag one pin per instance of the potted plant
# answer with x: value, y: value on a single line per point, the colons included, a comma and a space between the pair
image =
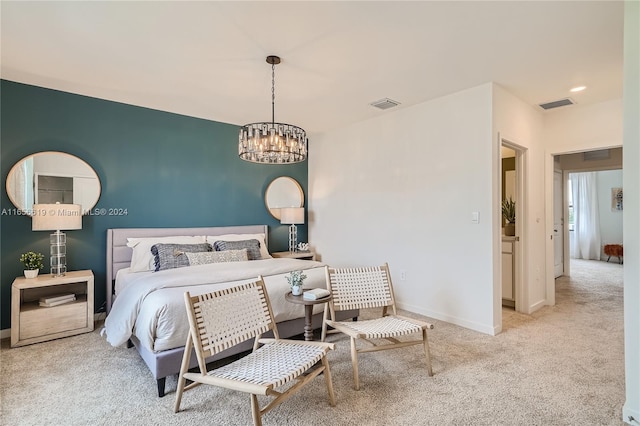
x: 295, y: 279
x: 32, y: 262
x: 509, y: 215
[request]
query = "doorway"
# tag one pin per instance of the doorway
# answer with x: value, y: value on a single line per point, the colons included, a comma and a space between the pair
x: 513, y: 282
x: 600, y: 161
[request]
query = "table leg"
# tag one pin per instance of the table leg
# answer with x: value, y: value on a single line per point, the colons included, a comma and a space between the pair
x: 308, y: 328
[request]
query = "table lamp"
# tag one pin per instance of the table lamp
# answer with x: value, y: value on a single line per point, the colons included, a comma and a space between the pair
x: 292, y: 216
x: 57, y: 217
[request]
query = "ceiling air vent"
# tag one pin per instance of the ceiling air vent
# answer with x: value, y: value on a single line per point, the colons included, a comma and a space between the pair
x: 385, y: 103
x: 557, y: 104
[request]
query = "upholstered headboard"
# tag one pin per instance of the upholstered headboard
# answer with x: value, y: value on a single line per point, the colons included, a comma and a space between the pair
x: 119, y: 255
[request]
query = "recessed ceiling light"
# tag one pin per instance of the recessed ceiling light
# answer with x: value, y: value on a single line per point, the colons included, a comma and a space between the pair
x: 578, y: 89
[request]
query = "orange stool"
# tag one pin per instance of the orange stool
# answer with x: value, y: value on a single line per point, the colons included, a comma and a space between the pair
x: 614, y: 250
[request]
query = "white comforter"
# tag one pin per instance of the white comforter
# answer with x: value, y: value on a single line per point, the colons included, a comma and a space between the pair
x: 151, y: 305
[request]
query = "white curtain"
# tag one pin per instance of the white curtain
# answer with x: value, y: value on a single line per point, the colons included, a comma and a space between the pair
x: 586, y: 238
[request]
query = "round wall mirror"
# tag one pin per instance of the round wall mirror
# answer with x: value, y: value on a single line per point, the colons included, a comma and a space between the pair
x: 283, y: 192
x: 51, y: 177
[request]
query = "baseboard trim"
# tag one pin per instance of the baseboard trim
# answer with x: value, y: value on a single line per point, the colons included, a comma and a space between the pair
x: 630, y: 416
x: 536, y: 306
x: 475, y: 326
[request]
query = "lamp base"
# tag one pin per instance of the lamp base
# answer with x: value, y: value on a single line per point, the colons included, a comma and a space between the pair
x: 59, y: 271
x: 293, y: 238
x: 58, y: 252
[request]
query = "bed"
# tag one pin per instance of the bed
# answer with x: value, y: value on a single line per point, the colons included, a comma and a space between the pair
x: 145, y: 307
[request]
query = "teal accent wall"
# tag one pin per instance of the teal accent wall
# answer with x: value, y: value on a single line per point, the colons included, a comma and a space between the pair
x: 166, y: 170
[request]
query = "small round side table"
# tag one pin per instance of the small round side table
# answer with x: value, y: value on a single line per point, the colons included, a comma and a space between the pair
x: 308, y: 311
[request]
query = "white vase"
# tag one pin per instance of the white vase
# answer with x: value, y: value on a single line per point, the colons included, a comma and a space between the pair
x: 31, y: 273
x: 296, y: 290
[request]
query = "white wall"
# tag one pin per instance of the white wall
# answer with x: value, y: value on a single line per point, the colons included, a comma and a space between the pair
x: 631, y: 213
x: 610, y: 220
x: 401, y: 189
x: 583, y: 128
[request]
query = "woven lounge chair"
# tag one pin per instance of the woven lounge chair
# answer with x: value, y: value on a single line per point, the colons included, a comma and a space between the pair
x: 370, y: 287
x: 225, y: 318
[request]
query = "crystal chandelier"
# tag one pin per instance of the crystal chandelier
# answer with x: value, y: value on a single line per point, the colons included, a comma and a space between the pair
x: 271, y: 142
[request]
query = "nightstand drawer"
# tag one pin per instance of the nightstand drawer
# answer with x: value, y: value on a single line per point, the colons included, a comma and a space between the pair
x: 41, y: 321
x: 32, y: 323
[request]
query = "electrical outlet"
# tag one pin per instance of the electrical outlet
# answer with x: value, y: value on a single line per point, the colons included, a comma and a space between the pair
x: 403, y: 275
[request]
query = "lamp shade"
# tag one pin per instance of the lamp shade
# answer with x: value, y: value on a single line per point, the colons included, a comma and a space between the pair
x: 56, y: 217
x: 292, y: 215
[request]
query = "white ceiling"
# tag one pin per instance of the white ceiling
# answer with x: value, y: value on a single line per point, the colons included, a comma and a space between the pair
x: 207, y: 59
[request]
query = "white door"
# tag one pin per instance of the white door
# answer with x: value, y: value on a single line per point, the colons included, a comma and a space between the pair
x: 558, y: 222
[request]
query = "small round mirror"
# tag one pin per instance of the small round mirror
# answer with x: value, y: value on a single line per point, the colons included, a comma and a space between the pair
x: 283, y: 192
x: 50, y: 177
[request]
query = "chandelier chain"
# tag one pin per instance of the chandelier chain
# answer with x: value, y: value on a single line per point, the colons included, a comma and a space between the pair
x: 273, y: 93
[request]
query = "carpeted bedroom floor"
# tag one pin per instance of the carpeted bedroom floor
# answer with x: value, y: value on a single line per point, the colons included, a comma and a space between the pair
x: 562, y: 365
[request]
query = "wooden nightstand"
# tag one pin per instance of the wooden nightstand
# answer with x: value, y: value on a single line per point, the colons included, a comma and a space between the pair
x: 306, y: 255
x: 32, y: 323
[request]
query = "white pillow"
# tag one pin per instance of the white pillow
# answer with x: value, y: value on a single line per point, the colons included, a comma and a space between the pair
x: 264, y: 250
x: 142, y: 258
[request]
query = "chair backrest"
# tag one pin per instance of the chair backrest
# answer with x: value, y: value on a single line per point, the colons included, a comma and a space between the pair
x: 360, y: 288
x: 225, y: 318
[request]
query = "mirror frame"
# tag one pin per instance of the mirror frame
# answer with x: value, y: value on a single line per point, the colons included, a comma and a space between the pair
x: 28, y: 210
x: 286, y: 188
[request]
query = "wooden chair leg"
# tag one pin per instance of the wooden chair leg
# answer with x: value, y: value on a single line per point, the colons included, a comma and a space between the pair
x: 186, y: 358
x: 181, y: 383
x: 255, y: 411
x: 427, y: 352
x: 354, y: 362
x: 324, y: 322
x: 329, y: 381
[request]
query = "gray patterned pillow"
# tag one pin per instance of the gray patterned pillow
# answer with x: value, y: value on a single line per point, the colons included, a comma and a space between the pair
x: 252, y: 246
x: 169, y: 256
x: 204, y: 258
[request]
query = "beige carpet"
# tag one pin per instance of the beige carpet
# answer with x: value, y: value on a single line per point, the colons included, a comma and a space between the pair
x: 561, y: 366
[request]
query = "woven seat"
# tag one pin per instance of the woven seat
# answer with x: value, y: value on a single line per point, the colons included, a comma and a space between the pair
x: 370, y: 287
x: 273, y: 364
x: 225, y: 318
x: 382, y: 328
